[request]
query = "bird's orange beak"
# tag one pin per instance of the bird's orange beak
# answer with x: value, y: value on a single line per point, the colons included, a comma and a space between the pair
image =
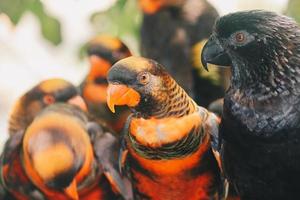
x: 78, y: 101
x: 99, y: 67
x: 71, y: 191
x: 150, y: 6
x: 118, y: 94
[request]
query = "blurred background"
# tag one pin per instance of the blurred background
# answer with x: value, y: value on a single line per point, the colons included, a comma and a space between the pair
x: 41, y: 39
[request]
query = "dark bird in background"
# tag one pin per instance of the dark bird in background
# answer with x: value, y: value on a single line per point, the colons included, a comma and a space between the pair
x: 166, y: 149
x: 217, y: 107
x: 103, y: 51
x: 172, y: 31
x: 260, y: 128
x: 62, y: 156
x: 40, y: 96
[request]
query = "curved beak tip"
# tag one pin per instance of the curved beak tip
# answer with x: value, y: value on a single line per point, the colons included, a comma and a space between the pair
x: 118, y: 94
x: 203, y: 58
x: 110, y: 97
x: 214, y: 53
x: 205, y: 66
x: 110, y: 104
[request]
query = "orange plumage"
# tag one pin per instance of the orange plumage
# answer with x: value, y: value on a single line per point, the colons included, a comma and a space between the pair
x: 167, y: 142
x: 62, y: 156
x: 103, y: 51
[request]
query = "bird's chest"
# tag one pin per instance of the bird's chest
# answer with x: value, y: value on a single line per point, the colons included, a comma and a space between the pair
x: 156, y: 133
x: 261, y: 168
x: 167, y: 174
x: 174, y: 179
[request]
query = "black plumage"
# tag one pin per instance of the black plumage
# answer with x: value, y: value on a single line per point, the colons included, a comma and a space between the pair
x: 169, y: 35
x: 260, y: 128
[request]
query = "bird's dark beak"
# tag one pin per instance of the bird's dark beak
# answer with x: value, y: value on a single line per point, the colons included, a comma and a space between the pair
x: 119, y: 94
x: 214, y: 53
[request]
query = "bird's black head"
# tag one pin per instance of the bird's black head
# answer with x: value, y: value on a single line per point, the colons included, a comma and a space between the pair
x: 139, y: 83
x: 263, y: 49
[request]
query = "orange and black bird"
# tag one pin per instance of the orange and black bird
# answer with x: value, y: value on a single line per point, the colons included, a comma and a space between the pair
x: 40, y: 96
x: 260, y: 128
x: 172, y: 33
x: 62, y: 156
x: 166, y: 149
x: 103, y: 51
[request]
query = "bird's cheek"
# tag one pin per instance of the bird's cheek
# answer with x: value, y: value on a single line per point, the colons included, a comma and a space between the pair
x: 118, y: 94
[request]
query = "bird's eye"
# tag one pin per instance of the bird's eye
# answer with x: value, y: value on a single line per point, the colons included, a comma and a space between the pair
x: 49, y: 99
x: 144, y: 78
x: 240, y: 37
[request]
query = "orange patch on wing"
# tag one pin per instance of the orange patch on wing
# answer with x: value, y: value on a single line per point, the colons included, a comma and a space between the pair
x: 156, y: 132
x: 99, y: 67
x: 95, y: 93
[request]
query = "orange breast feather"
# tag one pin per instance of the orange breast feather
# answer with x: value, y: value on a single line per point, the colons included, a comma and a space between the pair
x: 172, y: 179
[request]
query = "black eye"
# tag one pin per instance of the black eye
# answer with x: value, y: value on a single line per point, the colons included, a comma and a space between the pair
x: 240, y: 37
x: 144, y: 78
